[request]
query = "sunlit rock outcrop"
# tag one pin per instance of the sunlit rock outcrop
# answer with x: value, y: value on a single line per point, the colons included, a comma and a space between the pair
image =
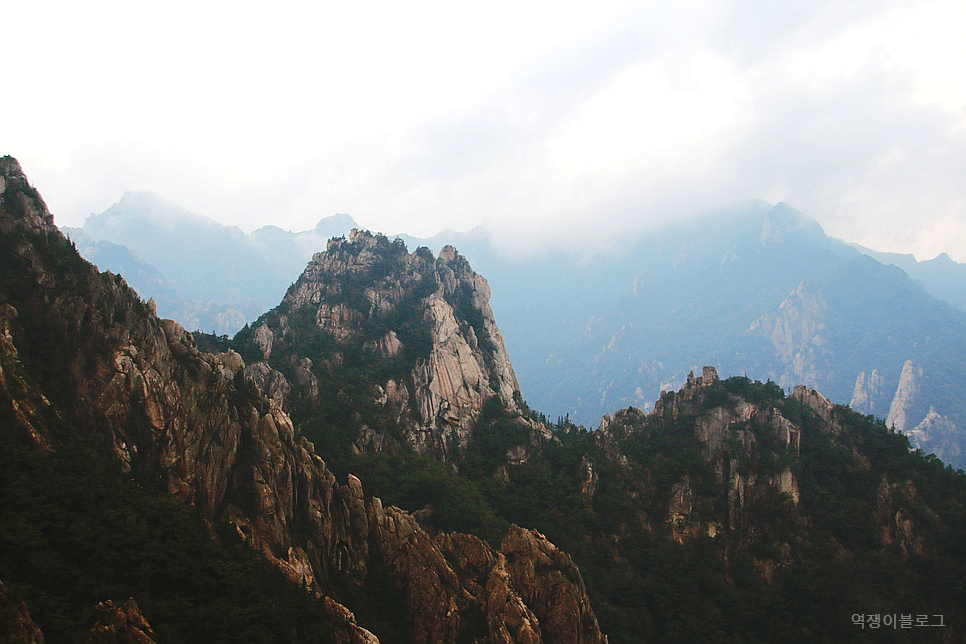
x: 417, y: 331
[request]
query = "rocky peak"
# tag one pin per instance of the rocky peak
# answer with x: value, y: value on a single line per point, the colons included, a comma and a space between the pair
x: 905, y: 398
x: 820, y: 405
x: 26, y: 210
x: 122, y: 624
x: 738, y: 428
x: 867, y: 393
x: 783, y: 222
x: 694, y: 388
x: 708, y: 377
x: 417, y: 330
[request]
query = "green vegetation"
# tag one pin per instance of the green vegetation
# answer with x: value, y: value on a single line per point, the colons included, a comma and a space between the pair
x: 496, y: 432
x: 75, y: 531
x: 753, y: 391
x: 825, y: 555
x: 744, y: 565
x: 211, y: 343
x: 455, y: 504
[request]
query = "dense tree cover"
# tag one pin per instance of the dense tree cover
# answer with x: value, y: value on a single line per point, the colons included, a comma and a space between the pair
x: 75, y: 531
x: 826, y: 557
x: 211, y: 343
x: 444, y: 502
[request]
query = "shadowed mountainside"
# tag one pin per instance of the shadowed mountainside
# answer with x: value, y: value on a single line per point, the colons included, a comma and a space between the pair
x: 86, y: 366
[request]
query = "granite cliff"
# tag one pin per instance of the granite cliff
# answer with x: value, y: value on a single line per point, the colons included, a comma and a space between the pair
x: 84, y: 358
x: 405, y: 343
x: 903, y: 375
x: 760, y: 290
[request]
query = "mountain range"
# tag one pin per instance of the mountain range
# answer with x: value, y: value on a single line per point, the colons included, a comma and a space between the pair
x: 133, y: 463
x: 204, y: 274
x: 359, y: 465
x: 758, y: 290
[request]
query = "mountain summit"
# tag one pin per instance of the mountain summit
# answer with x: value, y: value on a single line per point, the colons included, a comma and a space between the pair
x: 390, y: 338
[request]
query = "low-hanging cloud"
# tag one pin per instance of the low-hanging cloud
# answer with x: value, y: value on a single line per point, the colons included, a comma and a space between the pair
x: 551, y: 126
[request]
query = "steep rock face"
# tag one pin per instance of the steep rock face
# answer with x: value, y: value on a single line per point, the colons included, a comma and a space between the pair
x: 809, y: 335
x: 820, y: 405
x: 900, y: 410
x: 15, y: 622
x: 760, y: 455
x: 796, y: 332
x: 867, y: 393
x: 549, y: 584
x: 122, y: 624
x: 762, y: 489
x: 163, y: 405
x: 457, y: 586
x: 416, y: 332
x: 896, y: 518
x: 936, y: 434
x: 28, y: 404
x: 730, y: 432
x: 195, y: 420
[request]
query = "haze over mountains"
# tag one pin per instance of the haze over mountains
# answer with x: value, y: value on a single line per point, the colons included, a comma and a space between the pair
x: 358, y: 466
x: 201, y: 273
x: 763, y: 292
x: 758, y: 290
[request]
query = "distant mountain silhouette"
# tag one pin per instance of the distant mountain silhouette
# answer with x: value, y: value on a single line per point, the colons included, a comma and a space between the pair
x: 205, y: 275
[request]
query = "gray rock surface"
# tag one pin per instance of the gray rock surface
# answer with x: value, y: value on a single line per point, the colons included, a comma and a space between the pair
x: 364, y: 295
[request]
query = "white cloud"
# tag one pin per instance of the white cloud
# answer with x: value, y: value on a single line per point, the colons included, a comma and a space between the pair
x: 550, y: 120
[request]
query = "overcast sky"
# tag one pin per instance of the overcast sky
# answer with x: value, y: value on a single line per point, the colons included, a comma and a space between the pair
x: 543, y: 120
